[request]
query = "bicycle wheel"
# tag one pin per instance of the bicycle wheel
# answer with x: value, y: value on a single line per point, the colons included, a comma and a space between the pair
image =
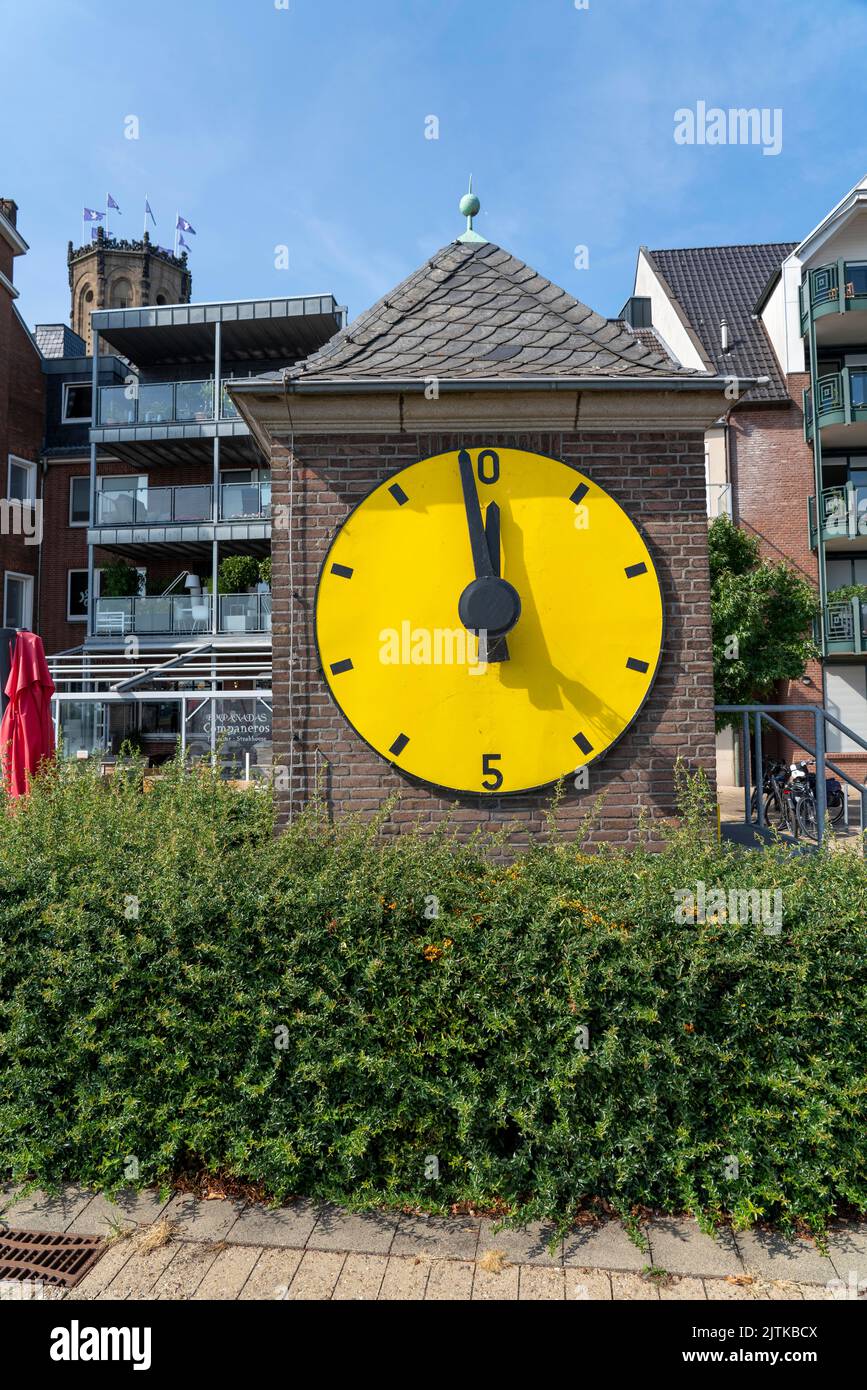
x: 775, y: 811
x: 836, y: 808
x: 807, y: 815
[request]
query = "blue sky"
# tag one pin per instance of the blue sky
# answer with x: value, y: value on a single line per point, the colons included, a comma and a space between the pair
x: 305, y: 126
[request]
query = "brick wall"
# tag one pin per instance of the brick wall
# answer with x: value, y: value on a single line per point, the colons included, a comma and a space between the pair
x: 66, y: 546
x: 660, y: 482
x: 22, y: 406
x: 772, y: 472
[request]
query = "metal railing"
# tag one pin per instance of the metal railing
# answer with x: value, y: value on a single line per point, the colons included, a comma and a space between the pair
x: 844, y: 513
x: 821, y: 718
x: 841, y: 399
x: 181, y: 615
x: 820, y: 288
x: 161, y: 506
x: 163, y: 403
x: 846, y: 625
x: 719, y: 499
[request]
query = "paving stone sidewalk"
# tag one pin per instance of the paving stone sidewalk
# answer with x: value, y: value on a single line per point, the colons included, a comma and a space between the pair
x: 223, y: 1249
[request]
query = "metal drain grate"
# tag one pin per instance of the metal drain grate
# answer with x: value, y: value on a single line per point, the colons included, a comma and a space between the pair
x: 54, y: 1259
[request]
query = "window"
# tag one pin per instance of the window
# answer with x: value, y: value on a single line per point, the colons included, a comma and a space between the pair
x: 21, y: 483
x: 79, y: 501
x: 17, y: 600
x: 847, y: 700
x: 76, y: 403
x: 121, y: 294
x: 76, y: 595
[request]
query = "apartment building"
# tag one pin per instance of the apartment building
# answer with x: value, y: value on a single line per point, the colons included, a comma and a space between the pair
x: 794, y: 316
x: 22, y: 398
x: 151, y: 588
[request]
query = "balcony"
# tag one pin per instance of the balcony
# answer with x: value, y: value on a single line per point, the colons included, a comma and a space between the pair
x: 719, y: 500
x: 820, y: 291
x: 162, y: 403
x: 181, y: 506
x: 846, y: 626
x: 844, y: 517
x: 182, y: 615
x: 841, y: 405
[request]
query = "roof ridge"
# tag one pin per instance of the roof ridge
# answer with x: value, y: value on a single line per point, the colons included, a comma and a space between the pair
x: 719, y: 246
x: 381, y: 305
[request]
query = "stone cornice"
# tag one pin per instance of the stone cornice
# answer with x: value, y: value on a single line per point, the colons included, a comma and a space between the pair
x: 273, y: 415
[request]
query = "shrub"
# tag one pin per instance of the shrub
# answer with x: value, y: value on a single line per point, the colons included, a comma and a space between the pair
x: 328, y: 1011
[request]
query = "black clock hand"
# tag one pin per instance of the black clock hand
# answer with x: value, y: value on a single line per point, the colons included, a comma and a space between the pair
x: 489, y: 605
x: 497, y: 647
x: 478, y: 543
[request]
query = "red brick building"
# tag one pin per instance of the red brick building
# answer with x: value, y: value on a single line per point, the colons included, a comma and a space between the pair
x: 22, y: 422
x: 794, y: 317
x: 476, y: 350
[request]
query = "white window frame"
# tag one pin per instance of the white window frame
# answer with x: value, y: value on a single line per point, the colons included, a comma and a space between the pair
x: 79, y: 478
x: 76, y: 419
x: 14, y: 461
x: 28, y: 600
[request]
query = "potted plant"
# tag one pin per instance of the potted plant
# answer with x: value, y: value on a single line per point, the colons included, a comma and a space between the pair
x: 264, y: 585
x: 119, y: 580
x: 238, y: 574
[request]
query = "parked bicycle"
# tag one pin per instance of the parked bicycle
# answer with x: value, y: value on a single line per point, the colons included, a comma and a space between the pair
x: 775, y: 808
x: 789, y: 792
x: 801, y: 790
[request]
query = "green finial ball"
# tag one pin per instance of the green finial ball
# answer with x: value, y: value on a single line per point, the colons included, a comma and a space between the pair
x: 470, y: 205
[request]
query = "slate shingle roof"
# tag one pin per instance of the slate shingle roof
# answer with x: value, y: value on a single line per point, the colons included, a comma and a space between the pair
x: 710, y: 283
x: 57, y: 340
x: 475, y: 311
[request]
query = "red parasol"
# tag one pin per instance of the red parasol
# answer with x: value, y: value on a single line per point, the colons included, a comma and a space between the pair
x: 26, y: 732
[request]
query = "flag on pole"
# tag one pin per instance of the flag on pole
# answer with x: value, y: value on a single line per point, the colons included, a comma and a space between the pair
x: 149, y: 212
x: 94, y: 234
x: 91, y: 215
x: 185, y: 244
x: 110, y: 203
x: 184, y: 226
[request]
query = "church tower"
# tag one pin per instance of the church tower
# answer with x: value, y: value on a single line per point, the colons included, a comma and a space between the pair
x: 115, y: 274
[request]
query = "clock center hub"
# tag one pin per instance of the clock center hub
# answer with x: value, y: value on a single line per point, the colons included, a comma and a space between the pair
x: 489, y: 605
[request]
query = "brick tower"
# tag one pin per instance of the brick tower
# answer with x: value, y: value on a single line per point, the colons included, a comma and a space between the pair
x: 115, y: 274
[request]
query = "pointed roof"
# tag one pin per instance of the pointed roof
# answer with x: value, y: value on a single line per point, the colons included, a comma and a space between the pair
x: 711, y: 283
x: 475, y: 312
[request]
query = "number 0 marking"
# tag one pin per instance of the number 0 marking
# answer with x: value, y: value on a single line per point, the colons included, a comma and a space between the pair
x: 484, y: 476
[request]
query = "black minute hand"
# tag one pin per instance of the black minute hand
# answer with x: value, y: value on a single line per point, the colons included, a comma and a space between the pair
x: 478, y: 543
x: 489, y: 605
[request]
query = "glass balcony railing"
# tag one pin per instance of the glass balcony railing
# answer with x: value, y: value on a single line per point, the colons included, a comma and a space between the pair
x: 181, y: 615
x: 167, y: 506
x: 242, y: 501
x: 841, y: 399
x: 719, y: 499
x: 153, y: 506
x: 162, y: 403
x: 821, y: 290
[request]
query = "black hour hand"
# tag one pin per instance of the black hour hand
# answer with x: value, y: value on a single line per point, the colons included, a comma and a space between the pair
x: 497, y: 647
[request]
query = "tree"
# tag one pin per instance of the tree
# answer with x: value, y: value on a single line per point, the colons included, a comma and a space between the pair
x: 762, y: 617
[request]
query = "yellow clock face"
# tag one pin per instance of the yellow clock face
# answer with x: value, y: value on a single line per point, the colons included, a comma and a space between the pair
x: 489, y: 621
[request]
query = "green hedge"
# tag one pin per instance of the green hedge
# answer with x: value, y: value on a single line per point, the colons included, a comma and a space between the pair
x: 180, y: 987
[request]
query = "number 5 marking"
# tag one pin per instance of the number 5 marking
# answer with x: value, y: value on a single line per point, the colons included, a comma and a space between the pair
x: 491, y: 772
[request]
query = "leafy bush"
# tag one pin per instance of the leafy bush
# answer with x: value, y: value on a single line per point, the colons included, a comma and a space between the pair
x: 119, y: 580
x: 327, y: 1011
x: 762, y: 616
